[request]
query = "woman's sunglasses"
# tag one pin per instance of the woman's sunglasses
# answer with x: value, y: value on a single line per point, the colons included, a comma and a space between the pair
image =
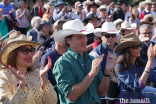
x: 25, y: 50
x: 136, y: 46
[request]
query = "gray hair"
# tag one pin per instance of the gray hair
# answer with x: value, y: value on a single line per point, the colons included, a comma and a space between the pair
x: 34, y: 20
x: 21, y: 2
x: 145, y: 26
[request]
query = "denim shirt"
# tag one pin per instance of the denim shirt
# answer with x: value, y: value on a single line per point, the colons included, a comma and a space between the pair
x: 71, y: 69
x: 102, y: 49
x: 129, y: 81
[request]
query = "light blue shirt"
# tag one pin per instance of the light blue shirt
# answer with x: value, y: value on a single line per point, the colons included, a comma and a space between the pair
x: 8, y: 8
x: 57, y: 14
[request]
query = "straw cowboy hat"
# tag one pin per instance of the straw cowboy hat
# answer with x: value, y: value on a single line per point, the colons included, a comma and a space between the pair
x: 73, y: 27
x: 144, y: 3
x: 148, y: 19
x: 127, y: 41
x: 117, y: 21
x: 92, y: 4
x: 102, y: 7
x: 12, y: 44
x: 107, y: 27
x: 127, y: 26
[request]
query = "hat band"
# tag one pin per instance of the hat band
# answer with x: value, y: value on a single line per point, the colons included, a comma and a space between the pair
x: 111, y: 31
x: 83, y: 30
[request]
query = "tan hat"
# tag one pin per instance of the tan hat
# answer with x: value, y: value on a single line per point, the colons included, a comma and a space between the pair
x: 148, y: 19
x: 144, y: 3
x: 127, y: 41
x: 12, y: 44
x: 127, y: 26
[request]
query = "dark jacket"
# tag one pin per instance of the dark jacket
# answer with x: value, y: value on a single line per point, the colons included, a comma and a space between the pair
x: 118, y: 14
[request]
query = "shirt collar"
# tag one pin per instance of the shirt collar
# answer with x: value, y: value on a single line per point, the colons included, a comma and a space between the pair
x: 36, y: 30
x: 108, y: 49
x: 146, y: 10
x: 74, y: 54
x: 147, y: 44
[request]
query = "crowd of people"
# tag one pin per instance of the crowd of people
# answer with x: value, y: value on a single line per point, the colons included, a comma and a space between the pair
x: 86, y: 53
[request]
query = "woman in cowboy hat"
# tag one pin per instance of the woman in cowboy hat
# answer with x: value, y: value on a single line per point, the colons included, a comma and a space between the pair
x: 103, y: 10
x: 21, y: 83
x: 131, y: 71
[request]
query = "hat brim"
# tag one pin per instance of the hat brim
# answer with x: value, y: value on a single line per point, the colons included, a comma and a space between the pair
x: 146, y: 2
x: 60, y: 36
x: 88, y: 8
x: 98, y: 31
x: 56, y: 5
x: 40, y: 26
x: 87, y: 19
x: 127, y: 44
x: 145, y: 22
x: 12, y: 46
x: 133, y: 26
x: 99, y: 9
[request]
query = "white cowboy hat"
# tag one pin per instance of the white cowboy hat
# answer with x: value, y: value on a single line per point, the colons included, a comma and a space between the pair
x: 97, y: 1
x: 144, y: 3
x: 86, y: 2
x: 127, y: 26
x: 73, y: 27
x: 117, y: 21
x: 107, y: 27
x: 102, y: 7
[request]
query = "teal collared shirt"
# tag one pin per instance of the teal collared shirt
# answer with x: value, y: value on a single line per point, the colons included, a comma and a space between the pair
x: 72, y: 68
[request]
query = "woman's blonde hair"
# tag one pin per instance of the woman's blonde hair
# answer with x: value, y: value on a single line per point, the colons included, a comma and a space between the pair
x: 132, y: 16
x: 47, y: 10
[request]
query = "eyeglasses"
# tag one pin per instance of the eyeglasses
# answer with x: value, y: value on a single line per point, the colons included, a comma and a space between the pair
x: 109, y: 35
x: 149, y: 4
x: 136, y: 46
x: 25, y: 50
x: 103, y: 10
x: 147, y: 33
x: 46, y: 26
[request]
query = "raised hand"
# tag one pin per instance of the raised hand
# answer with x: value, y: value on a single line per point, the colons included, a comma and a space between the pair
x: 21, y: 78
x: 36, y: 58
x: 96, y: 65
x: 150, y: 53
x: 44, y: 69
x: 111, y: 63
x: 11, y: 11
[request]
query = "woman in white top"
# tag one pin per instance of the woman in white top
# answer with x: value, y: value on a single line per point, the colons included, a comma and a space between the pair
x: 23, y: 16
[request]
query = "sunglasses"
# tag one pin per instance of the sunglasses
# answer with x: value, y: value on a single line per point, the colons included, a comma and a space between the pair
x: 109, y: 35
x: 25, y: 50
x: 136, y: 46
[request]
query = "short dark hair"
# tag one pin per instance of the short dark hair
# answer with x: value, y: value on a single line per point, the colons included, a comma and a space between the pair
x: 70, y: 36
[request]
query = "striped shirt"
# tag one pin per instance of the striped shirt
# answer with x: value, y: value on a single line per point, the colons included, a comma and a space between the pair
x: 24, y: 22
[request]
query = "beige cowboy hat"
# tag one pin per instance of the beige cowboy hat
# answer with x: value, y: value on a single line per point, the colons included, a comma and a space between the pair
x: 73, y: 27
x: 127, y: 26
x: 86, y: 2
x: 144, y: 3
x: 12, y: 44
x: 148, y: 19
x: 127, y: 41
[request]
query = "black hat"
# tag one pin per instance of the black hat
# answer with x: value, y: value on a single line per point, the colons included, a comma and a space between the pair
x: 120, y: 2
x: 92, y: 4
x: 91, y: 16
x: 34, y: 1
x: 41, y: 25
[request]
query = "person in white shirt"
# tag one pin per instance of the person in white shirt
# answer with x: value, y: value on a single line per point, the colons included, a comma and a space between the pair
x: 85, y: 5
x: 140, y: 8
x: 78, y: 14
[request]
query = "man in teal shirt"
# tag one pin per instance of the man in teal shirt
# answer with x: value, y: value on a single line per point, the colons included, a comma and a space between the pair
x: 78, y: 75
